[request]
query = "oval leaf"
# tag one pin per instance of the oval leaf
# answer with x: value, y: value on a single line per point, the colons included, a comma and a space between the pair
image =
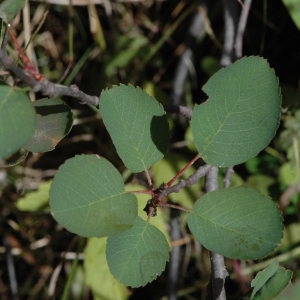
x: 238, y: 223
x: 17, y: 120
x: 137, y: 256
x: 88, y: 198
x: 242, y: 113
x: 54, y: 121
x: 137, y: 125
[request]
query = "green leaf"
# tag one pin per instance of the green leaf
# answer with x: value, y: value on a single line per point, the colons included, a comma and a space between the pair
x: 17, y: 120
x: 88, y: 198
x: 54, y: 121
x: 270, y: 282
x: 14, y: 159
x: 137, y: 125
x: 292, y: 292
x: 261, y: 182
x: 128, y: 49
x: 241, y: 115
x: 9, y: 9
x: 97, y: 271
x: 291, y: 236
x: 137, y: 256
x: 293, y: 7
x: 238, y: 223
x: 288, y: 174
x: 36, y: 200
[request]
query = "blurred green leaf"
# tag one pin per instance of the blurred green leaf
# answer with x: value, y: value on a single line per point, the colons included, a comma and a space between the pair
x: 138, y: 255
x: 292, y: 292
x: 261, y: 182
x: 17, y: 120
x: 292, y: 130
x: 262, y: 277
x: 36, y: 200
x: 288, y: 174
x: 291, y: 236
x: 9, y: 9
x: 241, y: 115
x: 137, y: 125
x: 97, y: 274
x: 237, y: 222
x: 54, y: 121
x: 293, y: 7
x: 88, y: 197
x: 189, y: 138
x: 128, y: 49
x: 210, y: 65
x: 270, y: 282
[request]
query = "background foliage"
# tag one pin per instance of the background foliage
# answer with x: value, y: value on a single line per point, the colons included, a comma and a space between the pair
x: 141, y: 43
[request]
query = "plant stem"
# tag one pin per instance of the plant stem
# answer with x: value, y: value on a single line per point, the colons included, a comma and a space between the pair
x: 241, y: 28
x: 175, y: 259
x: 170, y: 183
x: 231, y: 17
x: 201, y: 172
x: 45, y: 86
x: 219, y: 272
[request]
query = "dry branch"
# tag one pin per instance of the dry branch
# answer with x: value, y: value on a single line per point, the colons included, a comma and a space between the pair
x: 45, y: 86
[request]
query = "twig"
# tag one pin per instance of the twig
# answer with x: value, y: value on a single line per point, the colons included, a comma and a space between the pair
x: 170, y: 183
x: 54, y: 279
x: 231, y: 12
x: 11, y: 271
x: 184, y: 111
x: 45, y: 86
x: 285, y: 198
x: 84, y: 2
x: 219, y: 272
x: 175, y: 259
x: 185, y: 64
x: 241, y: 28
x: 227, y: 177
x: 5, y: 37
x: 201, y: 172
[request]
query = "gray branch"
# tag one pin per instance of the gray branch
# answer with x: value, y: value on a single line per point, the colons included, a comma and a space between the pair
x: 241, y: 28
x: 184, y: 111
x: 219, y: 272
x: 231, y: 17
x: 175, y: 257
x: 186, y: 64
x: 200, y: 172
x: 45, y: 86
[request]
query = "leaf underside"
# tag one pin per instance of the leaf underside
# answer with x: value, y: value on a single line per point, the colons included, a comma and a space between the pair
x: 54, y: 121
